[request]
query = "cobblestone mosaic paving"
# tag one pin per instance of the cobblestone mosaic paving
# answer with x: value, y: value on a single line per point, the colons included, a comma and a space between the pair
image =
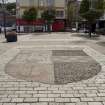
x: 53, y: 66
x: 66, y: 72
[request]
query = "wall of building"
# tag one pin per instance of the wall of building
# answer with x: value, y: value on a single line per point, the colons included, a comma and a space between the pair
x: 60, y: 6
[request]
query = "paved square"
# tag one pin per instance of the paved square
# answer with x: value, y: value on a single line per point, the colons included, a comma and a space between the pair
x: 52, y: 69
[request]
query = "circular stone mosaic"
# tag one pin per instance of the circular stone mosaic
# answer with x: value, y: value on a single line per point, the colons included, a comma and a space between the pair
x: 52, y: 66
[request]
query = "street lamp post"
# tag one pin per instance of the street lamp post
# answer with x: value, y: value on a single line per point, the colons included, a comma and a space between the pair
x: 4, y: 16
x: 91, y: 4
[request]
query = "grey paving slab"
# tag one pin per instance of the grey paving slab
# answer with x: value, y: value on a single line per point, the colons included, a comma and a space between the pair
x: 72, y: 72
x: 95, y: 103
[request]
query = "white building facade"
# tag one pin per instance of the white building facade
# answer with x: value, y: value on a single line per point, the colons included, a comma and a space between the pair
x: 41, y: 5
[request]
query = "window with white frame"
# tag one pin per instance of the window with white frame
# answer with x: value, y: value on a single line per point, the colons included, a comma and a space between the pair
x: 60, y: 13
x: 50, y: 2
x: 41, y: 3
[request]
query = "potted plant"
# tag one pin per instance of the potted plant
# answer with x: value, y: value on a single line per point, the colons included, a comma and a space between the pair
x: 11, y: 36
x: 92, y: 12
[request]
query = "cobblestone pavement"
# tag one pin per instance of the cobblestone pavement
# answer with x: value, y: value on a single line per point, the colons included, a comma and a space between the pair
x: 15, y: 91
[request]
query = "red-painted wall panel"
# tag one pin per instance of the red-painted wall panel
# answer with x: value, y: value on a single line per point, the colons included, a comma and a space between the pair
x: 34, y: 22
x: 58, y: 26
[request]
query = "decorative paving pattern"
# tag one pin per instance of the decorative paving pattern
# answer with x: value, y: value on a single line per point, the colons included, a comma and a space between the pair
x: 54, y: 67
x: 32, y: 65
x: 66, y: 72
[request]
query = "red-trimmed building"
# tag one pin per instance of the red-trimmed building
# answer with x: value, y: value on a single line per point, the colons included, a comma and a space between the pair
x: 39, y: 24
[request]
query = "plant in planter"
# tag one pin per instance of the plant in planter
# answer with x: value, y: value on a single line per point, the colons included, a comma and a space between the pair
x: 30, y: 15
x: 11, y: 36
x: 49, y: 16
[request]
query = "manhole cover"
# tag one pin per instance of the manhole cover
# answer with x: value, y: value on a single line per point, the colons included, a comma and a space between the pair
x: 53, y: 67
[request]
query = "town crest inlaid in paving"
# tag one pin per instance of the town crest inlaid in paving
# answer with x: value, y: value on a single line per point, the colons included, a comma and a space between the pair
x: 52, y: 66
